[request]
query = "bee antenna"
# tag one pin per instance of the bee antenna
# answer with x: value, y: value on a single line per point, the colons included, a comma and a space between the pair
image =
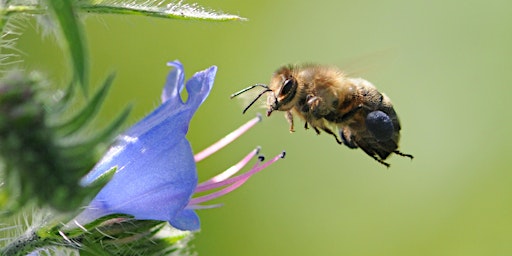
x: 247, y: 89
x: 253, y: 101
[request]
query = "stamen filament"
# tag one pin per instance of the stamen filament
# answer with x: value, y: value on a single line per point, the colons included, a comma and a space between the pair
x: 226, y: 182
x: 235, y: 182
x: 201, y: 199
x: 231, y: 170
x: 201, y: 207
x: 227, y: 139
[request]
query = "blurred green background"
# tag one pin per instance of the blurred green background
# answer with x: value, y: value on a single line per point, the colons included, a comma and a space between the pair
x: 445, y: 64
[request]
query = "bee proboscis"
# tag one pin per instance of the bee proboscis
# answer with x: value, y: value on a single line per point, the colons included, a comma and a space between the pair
x: 352, y: 110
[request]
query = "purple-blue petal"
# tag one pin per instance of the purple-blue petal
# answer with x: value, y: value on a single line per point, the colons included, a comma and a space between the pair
x: 156, y: 173
x: 199, y: 86
x: 174, y: 83
x: 186, y: 220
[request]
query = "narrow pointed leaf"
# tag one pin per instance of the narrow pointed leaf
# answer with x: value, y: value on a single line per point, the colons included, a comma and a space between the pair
x: 88, y: 112
x: 101, y: 137
x: 66, y: 99
x: 74, y: 38
x: 176, y: 10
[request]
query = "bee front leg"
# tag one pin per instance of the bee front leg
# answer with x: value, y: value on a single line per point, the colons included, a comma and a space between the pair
x: 315, y: 105
x: 289, y: 117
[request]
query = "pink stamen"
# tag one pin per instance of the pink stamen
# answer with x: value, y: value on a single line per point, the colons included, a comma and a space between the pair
x: 201, y: 199
x: 202, y: 207
x: 226, y: 182
x: 227, y: 139
x: 231, y: 170
x: 235, y: 183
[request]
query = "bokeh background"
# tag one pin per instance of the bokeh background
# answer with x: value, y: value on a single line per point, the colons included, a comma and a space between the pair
x: 445, y: 64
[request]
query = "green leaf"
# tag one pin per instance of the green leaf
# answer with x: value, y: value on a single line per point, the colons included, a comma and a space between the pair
x: 88, y: 112
x: 65, y: 100
x: 177, y: 10
x: 72, y: 31
x: 82, y: 146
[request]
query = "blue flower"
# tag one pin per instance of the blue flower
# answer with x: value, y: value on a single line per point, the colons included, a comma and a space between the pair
x: 156, y: 173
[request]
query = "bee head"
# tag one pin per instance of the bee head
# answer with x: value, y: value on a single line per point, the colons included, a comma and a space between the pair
x: 281, y: 91
x: 284, y: 89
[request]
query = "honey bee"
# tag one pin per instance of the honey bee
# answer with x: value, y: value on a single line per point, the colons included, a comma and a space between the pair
x: 327, y: 100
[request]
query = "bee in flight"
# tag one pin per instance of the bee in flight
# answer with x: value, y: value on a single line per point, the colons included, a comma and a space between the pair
x: 329, y: 101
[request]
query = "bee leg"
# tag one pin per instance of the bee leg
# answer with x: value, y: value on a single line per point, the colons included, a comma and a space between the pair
x: 402, y: 154
x: 289, y: 117
x: 329, y: 131
x: 349, y: 114
x: 380, y: 161
x: 316, y: 130
x: 371, y: 153
x: 377, y: 159
x: 306, y: 126
x: 347, y: 141
x: 316, y: 106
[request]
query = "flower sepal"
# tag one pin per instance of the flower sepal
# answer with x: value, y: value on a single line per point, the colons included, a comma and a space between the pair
x: 115, y: 234
x: 124, y: 236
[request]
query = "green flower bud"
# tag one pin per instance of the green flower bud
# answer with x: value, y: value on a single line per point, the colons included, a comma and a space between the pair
x: 39, y: 160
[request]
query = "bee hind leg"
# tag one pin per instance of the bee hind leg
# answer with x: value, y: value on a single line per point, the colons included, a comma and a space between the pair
x: 371, y: 152
x: 403, y: 154
x: 380, y: 161
x: 349, y: 114
x: 347, y: 141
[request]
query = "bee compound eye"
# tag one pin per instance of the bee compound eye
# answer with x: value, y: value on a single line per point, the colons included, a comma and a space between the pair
x: 287, y: 87
x: 380, y: 125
